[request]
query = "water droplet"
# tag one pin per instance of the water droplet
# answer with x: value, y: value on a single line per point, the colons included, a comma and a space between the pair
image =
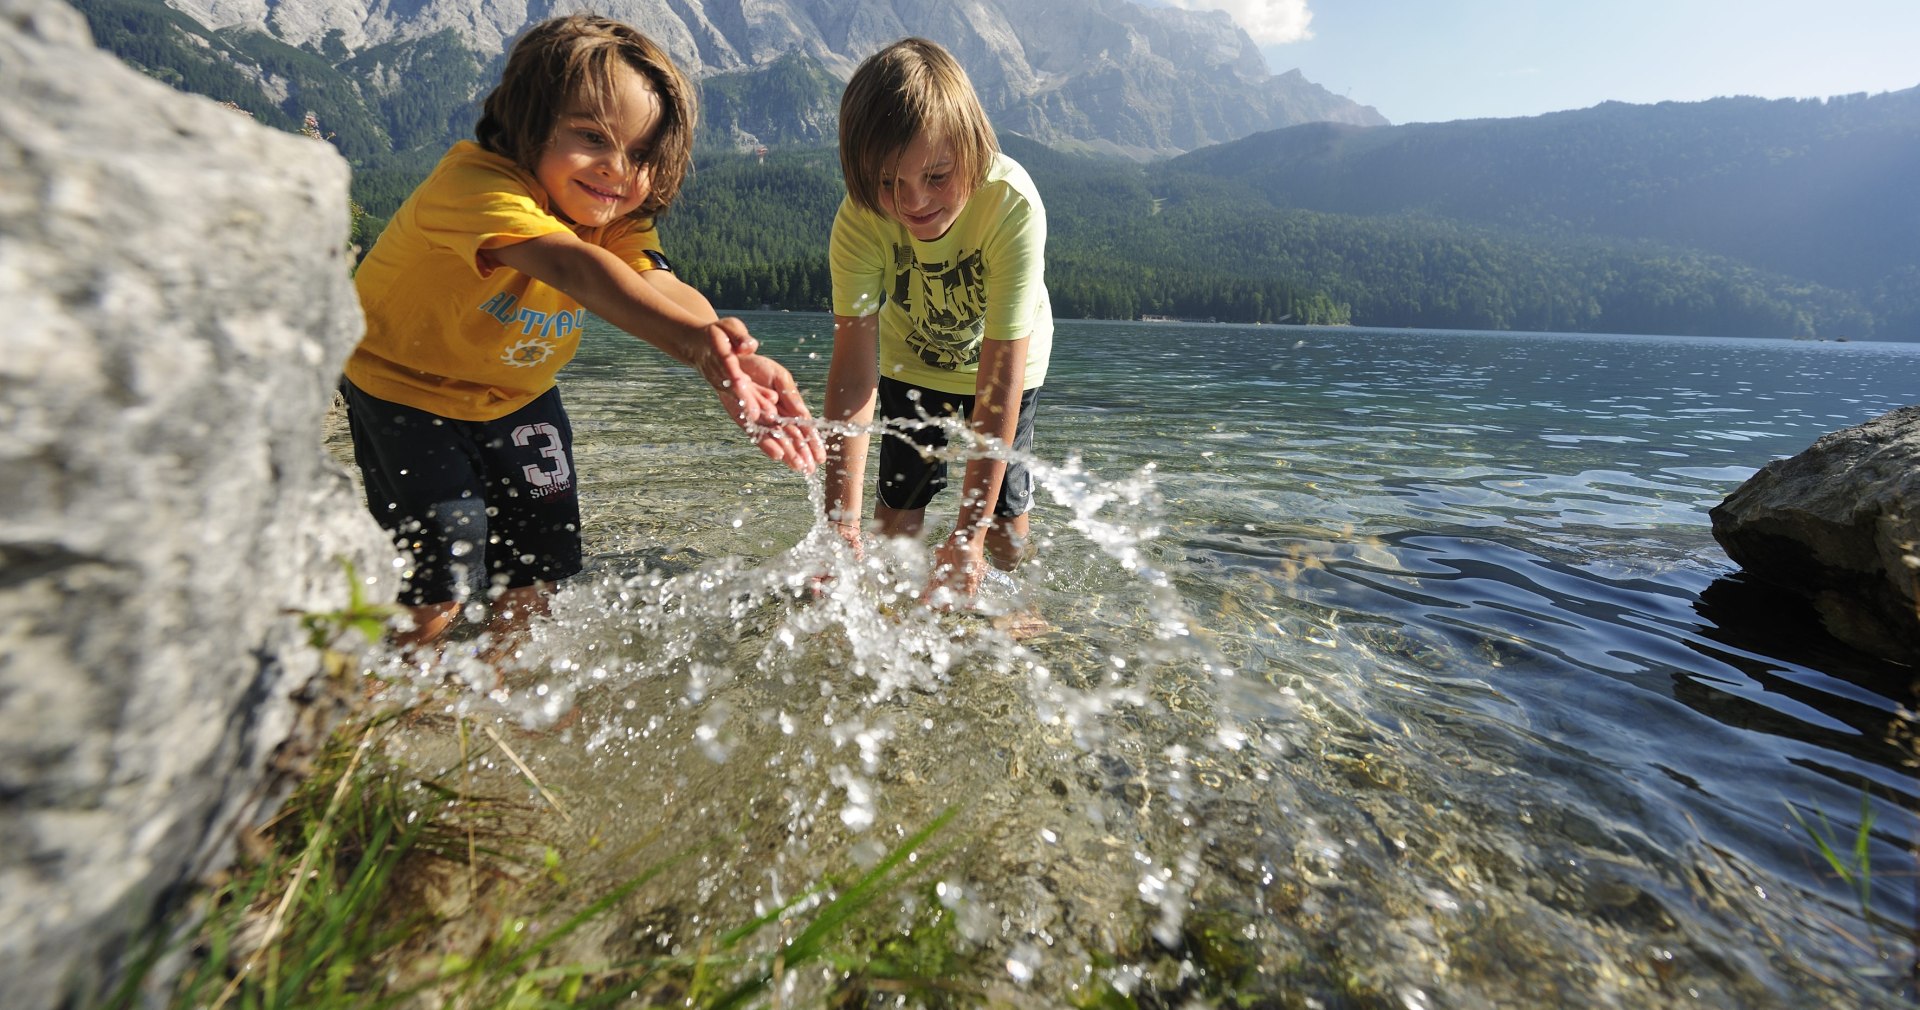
x: 1020, y: 965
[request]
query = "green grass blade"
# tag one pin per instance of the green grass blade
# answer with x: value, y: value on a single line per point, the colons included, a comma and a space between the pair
x: 856, y: 898
x: 1819, y: 838
x: 598, y: 907
x: 853, y: 899
x: 1862, y: 843
x: 752, y: 926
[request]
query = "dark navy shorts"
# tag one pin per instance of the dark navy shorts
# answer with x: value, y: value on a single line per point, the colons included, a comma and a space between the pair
x: 910, y: 474
x: 479, y: 504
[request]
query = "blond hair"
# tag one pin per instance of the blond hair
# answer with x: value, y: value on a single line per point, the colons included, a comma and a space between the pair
x: 911, y: 87
x: 568, y: 60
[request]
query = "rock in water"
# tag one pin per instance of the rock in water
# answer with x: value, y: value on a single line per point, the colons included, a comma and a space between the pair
x: 1840, y: 524
x: 178, y: 302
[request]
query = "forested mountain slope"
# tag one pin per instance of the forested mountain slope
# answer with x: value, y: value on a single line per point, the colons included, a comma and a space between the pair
x: 1820, y: 191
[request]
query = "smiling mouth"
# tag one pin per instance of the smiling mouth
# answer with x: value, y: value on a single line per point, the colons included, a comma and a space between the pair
x: 601, y: 194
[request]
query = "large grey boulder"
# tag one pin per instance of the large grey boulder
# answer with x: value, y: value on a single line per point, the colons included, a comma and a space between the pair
x: 1840, y: 524
x: 175, y: 280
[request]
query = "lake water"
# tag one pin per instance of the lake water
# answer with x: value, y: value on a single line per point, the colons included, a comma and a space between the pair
x: 1379, y: 668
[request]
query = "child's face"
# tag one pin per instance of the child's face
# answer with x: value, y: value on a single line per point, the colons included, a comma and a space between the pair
x: 920, y: 189
x: 596, y: 169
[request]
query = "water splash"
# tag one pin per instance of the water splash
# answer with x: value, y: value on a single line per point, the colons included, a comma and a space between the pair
x: 816, y: 694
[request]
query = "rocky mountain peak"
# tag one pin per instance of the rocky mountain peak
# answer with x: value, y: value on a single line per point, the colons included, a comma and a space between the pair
x: 1110, y: 74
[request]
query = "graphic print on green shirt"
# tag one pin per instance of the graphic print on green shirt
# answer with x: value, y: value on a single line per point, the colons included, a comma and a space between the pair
x: 948, y: 330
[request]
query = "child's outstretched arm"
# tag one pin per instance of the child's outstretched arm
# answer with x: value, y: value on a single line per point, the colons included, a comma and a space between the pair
x: 852, y: 377
x: 960, y: 561
x: 757, y: 392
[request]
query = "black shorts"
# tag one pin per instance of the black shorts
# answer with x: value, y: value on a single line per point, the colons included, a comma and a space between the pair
x: 910, y: 473
x: 480, y: 505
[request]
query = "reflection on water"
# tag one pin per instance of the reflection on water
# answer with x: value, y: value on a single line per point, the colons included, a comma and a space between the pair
x: 1402, y: 664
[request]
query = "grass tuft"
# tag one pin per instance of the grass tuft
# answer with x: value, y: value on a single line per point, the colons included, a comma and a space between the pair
x: 331, y: 909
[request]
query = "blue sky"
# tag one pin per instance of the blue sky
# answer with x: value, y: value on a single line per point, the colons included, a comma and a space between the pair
x: 1432, y: 60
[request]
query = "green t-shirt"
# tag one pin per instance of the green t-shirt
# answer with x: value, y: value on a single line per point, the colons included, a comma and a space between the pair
x: 985, y: 279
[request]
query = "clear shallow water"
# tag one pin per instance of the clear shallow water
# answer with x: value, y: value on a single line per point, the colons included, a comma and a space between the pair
x: 1406, y: 660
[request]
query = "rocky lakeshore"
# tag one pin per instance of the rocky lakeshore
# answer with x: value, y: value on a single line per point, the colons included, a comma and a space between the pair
x: 1839, y: 524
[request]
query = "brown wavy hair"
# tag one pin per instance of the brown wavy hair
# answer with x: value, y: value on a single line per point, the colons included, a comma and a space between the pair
x: 911, y: 86
x: 567, y: 60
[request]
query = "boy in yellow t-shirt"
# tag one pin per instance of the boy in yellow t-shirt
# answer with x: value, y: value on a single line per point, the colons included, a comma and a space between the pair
x: 476, y: 294
x: 939, y: 306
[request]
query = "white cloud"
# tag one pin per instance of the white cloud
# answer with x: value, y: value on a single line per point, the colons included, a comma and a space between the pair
x: 1270, y: 22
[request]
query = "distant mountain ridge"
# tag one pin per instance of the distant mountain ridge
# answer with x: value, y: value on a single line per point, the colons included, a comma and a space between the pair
x: 1822, y: 190
x: 1107, y: 75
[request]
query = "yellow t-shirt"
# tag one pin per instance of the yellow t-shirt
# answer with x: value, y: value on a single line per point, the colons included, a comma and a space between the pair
x: 985, y: 279
x: 450, y: 332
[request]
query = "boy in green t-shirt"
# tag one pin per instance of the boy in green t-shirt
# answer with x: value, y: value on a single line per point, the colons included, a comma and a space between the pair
x: 940, y: 308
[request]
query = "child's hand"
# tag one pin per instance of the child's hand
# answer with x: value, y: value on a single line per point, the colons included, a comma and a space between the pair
x: 760, y: 395
x: 850, y: 532
x: 959, y: 564
x: 737, y: 341
x: 786, y: 432
x: 727, y: 342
